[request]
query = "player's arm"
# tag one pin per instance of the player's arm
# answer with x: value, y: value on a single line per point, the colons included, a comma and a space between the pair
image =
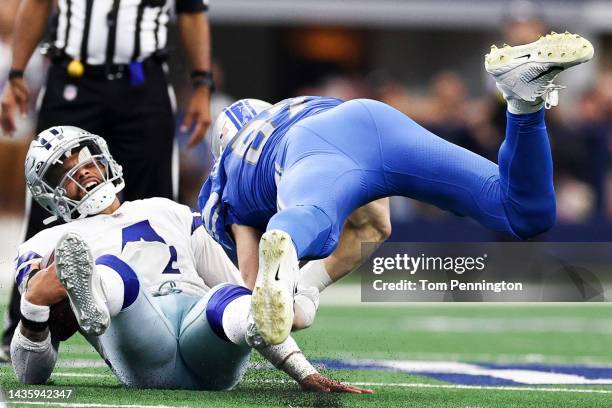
x: 288, y: 357
x: 369, y: 223
x: 33, y: 354
x: 247, y: 247
x: 212, y: 263
x: 29, y: 27
x: 194, y: 30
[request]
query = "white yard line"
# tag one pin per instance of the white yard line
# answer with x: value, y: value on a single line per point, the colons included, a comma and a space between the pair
x: 349, y: 294
x: 81, y: 363
x: 522, y: 376
x: 451, y: 386
x: 591, y: 361
x: 88, y: 375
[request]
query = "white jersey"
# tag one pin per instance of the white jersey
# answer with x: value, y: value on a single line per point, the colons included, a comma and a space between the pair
x: 160, y: 239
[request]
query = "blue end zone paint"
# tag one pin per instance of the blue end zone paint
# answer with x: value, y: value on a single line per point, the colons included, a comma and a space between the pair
x: 593, y: 373
x: 469, y: 379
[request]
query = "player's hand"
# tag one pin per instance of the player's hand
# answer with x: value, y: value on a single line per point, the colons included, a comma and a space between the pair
x: 15, y: 97
x: 197, y: 117
x: 44, y: 288
x: 319, y: 383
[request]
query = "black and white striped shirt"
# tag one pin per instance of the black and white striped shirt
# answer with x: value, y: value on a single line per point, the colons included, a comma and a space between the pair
x: 120, y: 31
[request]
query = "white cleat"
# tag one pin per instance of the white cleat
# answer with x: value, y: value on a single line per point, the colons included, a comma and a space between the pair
x: 77, y: 273
x: 526, y: 72
x: 272, y: 301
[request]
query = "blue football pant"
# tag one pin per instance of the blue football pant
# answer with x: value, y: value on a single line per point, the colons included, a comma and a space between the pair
x: 362, y: 150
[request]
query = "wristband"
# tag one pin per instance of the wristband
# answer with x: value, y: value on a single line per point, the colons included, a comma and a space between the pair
x: 15, y: 73
x: 34, y: 326
x: 297, y: 366
x: 35, y: 346
x: 202, y: 78
x: 34, y: 313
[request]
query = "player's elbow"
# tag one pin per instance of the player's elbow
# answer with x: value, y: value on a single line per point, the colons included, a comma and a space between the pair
x: 382, y: 230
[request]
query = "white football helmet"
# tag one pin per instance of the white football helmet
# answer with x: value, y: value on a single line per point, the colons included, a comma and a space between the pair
x: 231, y: 120
x: 47, y: 174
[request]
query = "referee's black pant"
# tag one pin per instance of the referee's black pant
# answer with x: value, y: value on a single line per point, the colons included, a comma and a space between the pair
x: 137, y: 122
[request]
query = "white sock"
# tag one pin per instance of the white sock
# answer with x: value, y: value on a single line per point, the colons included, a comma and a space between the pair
x: 112, y: 288
x: 235, y: 319
x: 305, y: 309
x: 314, y: 274
x: 521, y: 107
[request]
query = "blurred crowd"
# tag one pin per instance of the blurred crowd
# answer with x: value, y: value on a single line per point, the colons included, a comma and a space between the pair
x: 581, y: 137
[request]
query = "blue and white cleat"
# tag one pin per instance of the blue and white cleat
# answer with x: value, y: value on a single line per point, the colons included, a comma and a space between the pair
x: 525, y: 73
x: 272, y: 300
x: 77, y: 273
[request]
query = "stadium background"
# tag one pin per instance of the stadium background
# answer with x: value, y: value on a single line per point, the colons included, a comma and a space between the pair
x: 425, y: 57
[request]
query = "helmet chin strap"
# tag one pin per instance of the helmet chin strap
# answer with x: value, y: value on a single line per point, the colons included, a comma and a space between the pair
x: 50, y: 219
x: 100, y: 200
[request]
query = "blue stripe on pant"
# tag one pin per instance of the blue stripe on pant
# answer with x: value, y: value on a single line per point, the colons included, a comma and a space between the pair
x: 131, y: 286
x: 216, y: 362
x: 362, y: 150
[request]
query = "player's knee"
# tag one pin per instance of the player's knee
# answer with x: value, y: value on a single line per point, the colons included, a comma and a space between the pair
x: 536, y: 220
x: 125, y: 279
x: 309, y: 227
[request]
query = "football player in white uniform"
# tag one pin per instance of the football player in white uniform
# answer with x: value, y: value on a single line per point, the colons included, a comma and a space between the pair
x: 153, y: 294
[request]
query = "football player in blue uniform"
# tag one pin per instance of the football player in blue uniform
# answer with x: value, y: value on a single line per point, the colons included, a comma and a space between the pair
x: 289, y: 175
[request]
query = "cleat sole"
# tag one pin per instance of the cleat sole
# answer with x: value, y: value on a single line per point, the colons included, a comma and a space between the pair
x: 271, y: 306
x: 74, y: 265
x: 564, y: 49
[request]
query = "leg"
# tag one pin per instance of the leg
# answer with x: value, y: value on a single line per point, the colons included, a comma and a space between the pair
x: 517, y: 197
x: 212, y: 337
x: 140, y: 342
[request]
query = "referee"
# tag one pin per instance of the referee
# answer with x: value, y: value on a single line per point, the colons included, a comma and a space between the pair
x: 108, y: 75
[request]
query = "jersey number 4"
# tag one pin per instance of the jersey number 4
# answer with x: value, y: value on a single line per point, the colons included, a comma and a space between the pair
x: 142, y: 231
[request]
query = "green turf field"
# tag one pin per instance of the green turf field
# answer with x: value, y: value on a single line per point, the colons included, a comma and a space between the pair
x: 543, y: 335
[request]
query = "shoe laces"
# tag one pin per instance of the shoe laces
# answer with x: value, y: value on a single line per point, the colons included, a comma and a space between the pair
x: 550, y: 94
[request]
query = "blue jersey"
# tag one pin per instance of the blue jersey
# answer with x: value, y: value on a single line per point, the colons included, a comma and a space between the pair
x: 241, y: 188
